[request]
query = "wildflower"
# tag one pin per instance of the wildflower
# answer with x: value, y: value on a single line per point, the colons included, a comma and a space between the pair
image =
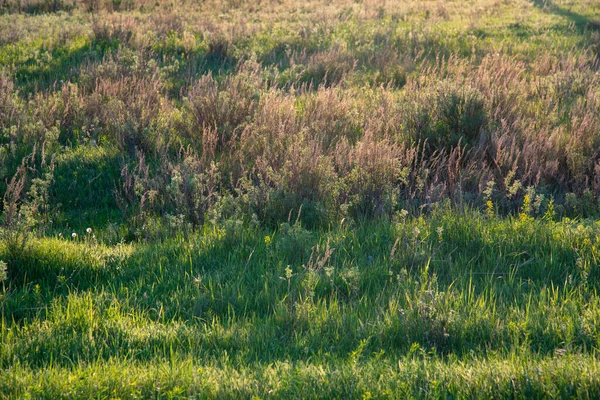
x: 329, y: 272
x: 440, y: 231
x: 489, y: 205
x: 417, y: 232
x: 526, y: 210
x: 267, y: 240
x: 74, y: 235
x: 89, y: 230
x: 3, y: 271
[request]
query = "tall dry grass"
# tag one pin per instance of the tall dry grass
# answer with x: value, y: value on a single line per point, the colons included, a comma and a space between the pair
x: 339, y: 118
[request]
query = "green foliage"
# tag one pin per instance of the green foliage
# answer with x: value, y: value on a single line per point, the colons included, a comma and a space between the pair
x: 449, y: 115
x: 233, y: 199
x: 293, y: 243
x: 3, y: 271
x: 486, y: 292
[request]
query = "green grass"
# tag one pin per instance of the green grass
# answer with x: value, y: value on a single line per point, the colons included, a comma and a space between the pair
x: 483, y: 306
x: 285, y: 199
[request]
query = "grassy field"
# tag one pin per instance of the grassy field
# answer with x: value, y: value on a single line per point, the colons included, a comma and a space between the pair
x: 285, y: 199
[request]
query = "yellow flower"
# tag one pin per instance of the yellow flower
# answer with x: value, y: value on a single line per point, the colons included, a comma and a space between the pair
x: 489, y: 208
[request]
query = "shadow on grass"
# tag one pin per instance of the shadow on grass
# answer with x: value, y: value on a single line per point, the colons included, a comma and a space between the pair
x: 59, y: 64
x: 84, y: 182
x: 580, y: 21
x: 217, y: 292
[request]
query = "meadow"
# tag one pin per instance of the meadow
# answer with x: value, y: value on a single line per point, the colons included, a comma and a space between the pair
x: 285, y: 199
